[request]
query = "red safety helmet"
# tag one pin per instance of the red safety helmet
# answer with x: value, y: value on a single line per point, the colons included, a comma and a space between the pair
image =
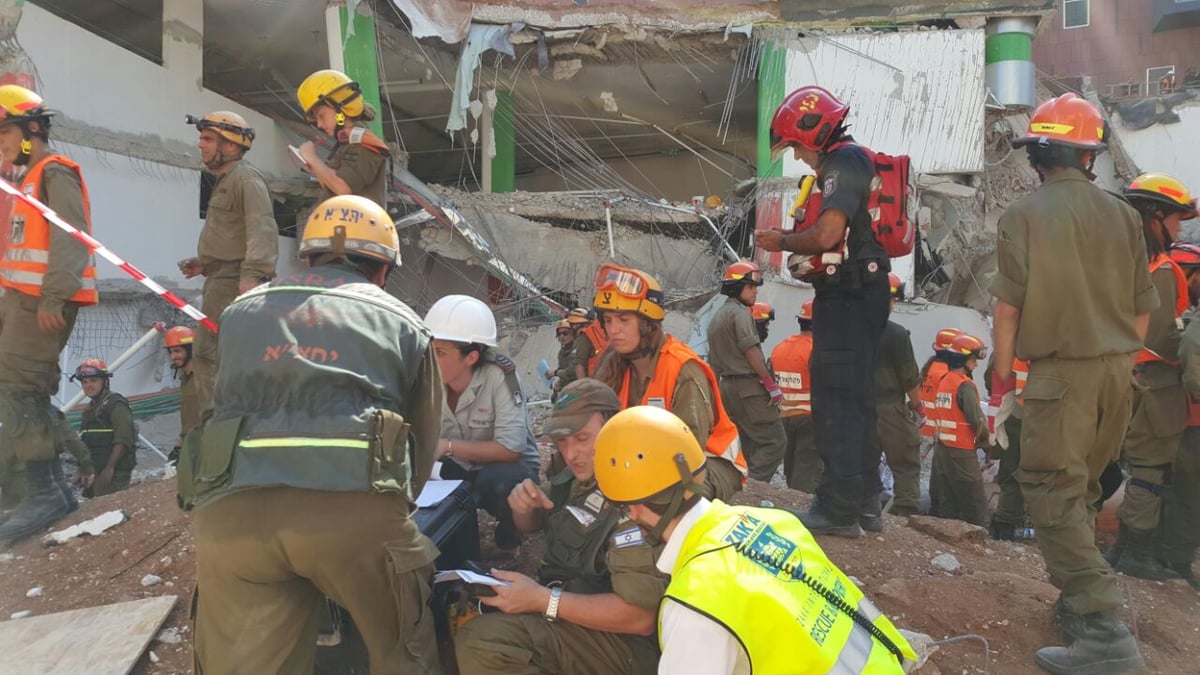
x: 968, y: 345
x: 944, y: 338
x: 761, y: 311
x: 1067, y: 120
x: 807, y: 117
x: 743, y: 271
x: 91, y: 368
x: 1186, y: 255
x: 806, y: 311
x: 894, y: 283
x: 178, y: 336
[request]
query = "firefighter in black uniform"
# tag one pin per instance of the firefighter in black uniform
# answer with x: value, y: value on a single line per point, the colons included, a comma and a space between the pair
x: 852, y: 298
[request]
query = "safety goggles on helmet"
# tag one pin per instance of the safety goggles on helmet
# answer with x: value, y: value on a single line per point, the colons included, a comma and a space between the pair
x: 91, y: 368
x: 745, y: 272
x: 226, y: 130
x: 623, y: 289
x: 969, y: 345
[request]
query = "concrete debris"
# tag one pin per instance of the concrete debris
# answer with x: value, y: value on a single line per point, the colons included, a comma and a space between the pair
x: 609, y: 101
x: 946, y: 562
x: 151, y: 580
x: 21, y: 614
x: 947, y: 530
x: 951, y: 189
x: 152, y: 656
x: 7, y: 557
x: 169, y: 636
x: 34, y: 592
x: 921, y: 643
x: 94, y: 527
x: 566, y: 69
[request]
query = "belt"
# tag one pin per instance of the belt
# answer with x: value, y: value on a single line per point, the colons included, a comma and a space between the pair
x: 737, y: 375
x: 855, y: 273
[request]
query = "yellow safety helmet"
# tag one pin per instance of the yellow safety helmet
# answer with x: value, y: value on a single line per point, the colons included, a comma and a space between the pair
x: 644, y: 454
x: 1162, y: 189
x: 351, y: 225
x: 334, y: 89
x: 562, y: 325
x: 624, y: 289
x: 19, y: 105
x: 228, y: 125
x: 578, y: 315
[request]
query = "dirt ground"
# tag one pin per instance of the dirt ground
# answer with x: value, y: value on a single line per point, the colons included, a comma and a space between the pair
x: 1000, y: 592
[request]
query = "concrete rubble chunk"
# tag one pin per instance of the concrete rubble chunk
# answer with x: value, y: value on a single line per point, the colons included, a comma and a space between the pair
x: 921, y: 643
x: 151, y: 580
x: 34, y: 592
x: 169, y: 636
x: 951, y: 189
x: 949, y: 531
x: 946, y: 563
x: 21, y: 614
x: 95, y: 526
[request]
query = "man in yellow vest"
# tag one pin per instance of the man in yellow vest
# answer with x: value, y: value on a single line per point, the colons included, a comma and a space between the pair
x: 748, y: 585
x: 47, y: 276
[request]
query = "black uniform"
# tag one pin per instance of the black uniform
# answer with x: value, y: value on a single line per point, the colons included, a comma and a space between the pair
x: 853, y: 310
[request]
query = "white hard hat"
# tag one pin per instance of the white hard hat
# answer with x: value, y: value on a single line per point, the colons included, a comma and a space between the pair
x: 461, y: 318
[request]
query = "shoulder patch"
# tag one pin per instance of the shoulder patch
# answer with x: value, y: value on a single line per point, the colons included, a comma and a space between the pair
x: 583, y: 517
x: 631, y: 536
x: 506, y: 364
x: 594, y: 501
x: 829, y: 186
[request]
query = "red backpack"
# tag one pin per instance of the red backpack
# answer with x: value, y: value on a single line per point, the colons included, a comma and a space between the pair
x: 888, y: 204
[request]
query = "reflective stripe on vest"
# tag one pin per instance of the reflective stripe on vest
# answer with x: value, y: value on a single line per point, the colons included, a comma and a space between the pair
x: 954, y: 431
x: 1160, y: 261
x: 1021, y: 370
x: 790, y: 360
x: 599, y: 339
x: 304, y: 442
x: 723, y: 440
x: 755, y: 572
x: 27, y: 257
x: 1193, y: 410
x: 929, y: 386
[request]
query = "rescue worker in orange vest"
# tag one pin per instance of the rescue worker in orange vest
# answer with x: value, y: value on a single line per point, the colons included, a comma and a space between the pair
x: 239, y: 243
x: 178, y: 343
x: 358, y: 163
x: 802, y: 465
x: 748, y: 389
x: 648, y: 367
x: 47, y: 277
x: 763, y: 314
x: 590, y: 343
x: 1006, y: 417
x: 750, y: 589
x: 931, y: 376
x: 1159, y: 400
x: 1181, y: 504
x: 962, y: 427
x: 898, y: 411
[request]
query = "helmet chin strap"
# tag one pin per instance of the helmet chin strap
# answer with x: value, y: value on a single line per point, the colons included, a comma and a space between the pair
x: 685, y: 485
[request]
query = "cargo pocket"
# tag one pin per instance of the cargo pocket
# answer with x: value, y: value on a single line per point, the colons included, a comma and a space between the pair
x: 185, y: 470
x: 1164, y: 411
x: 410, y: 572
x: 1043, y: 442
x: 836, y: 368
x: 213, y: 447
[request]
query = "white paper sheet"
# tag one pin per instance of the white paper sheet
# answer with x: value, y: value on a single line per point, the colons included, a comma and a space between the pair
x: 435, y: 491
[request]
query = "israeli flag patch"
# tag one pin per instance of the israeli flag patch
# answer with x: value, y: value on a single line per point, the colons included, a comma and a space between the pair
x: 628, y: 537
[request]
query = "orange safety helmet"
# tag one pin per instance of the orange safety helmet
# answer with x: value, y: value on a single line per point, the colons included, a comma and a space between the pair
x: 92, y: 367
x: 806, y: 311
x: 945, y: 338
x: 968, y: 345
x: 743, y: 272
x: 808, y: 117
x: 178, y: 336
x: 1165, y: 190
x: 1186, y: 255
x: 894, y: 284
x: 1067, y: 120
x: 761, y: 311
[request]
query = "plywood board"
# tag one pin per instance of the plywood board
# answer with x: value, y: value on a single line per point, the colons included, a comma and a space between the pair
x: 105, y: 640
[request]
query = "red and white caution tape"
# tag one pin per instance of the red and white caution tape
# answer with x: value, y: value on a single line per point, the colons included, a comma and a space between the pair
x: 100, y: 250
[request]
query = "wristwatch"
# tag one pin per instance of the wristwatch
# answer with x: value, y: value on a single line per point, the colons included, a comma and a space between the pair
x: 552, y: 607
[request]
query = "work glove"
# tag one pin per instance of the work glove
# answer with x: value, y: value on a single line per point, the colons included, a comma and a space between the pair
x: 772, y: 390
x: 918, y: 410
x: 993, y: 407
x: 1000, y: 387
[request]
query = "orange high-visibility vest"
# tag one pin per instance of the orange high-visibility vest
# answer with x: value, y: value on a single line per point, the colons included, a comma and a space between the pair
x: 599, y: 339
x: 723, y: 441
x: 954, y: 431
x: 929, y: 387
x: 1021, y: 370
x: 790, y: 360
x: 1160, y: 261
x: 27, y: 258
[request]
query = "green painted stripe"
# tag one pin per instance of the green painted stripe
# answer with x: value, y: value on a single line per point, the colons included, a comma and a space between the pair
x: 772, y: 78
x: 301, y: 441
x: 1008, y: 47
x: 358, y: 51
x: 504, y: 134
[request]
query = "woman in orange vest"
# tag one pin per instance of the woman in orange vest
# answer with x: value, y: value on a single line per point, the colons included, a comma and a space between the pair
x: 645, y: 366
x: 802, y: 466
x: 1180, y: 533
x: 47, y: 276
x: 1159, y: 401
x: 962, y: 427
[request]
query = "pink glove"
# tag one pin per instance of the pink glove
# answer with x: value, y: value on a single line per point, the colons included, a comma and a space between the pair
x: 772, y: 390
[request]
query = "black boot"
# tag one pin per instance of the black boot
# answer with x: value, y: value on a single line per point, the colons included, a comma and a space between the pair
x: 44, y: 503
x: 1113, y: 555
x: 60, y: 479
x: 819, y: 523
x: 871, y: 518
x: 1104, y: 647
x: 1070, y: 622
x: 1184, y: 570
x: 1002, y: 531
x: 1137, y: 557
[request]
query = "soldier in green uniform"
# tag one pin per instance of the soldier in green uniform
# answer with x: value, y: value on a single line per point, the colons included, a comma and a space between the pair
x: 178, y: 343
x: 358, y: 164
x: 592, y: 609
x: 897, y: 378
x: 303, y: 480
x: 748, y: 388
x: 565, y: 372
x: 1181, y: 504
x: 240, y: 240
x: 1074, y: 297
x: 107, y: 429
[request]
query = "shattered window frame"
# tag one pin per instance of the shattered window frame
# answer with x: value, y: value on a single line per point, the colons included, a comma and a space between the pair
x: 1067, y: 6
